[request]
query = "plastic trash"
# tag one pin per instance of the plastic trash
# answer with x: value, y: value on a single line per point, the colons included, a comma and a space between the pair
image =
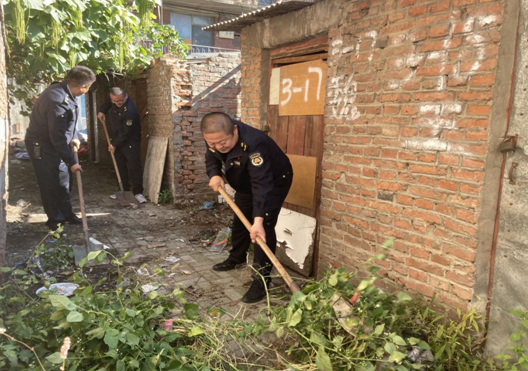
x: 148, y: 288
x: 22, y: 156
x: 61, y: 288
x: 207, y: 205
x: 220, y: 241
x: 171, y: 259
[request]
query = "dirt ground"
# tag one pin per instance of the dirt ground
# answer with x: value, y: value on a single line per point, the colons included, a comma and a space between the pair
x: 152, y: 233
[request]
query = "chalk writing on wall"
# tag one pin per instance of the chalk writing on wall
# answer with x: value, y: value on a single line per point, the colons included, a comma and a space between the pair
x: 343, y: 97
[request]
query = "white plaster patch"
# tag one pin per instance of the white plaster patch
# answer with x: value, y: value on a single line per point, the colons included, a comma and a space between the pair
x: 429, y: 109
x: 452, y: 108
x: 297, y: 232
x: 426, y: 144
x: 274, y: 93
x: 488, y: 20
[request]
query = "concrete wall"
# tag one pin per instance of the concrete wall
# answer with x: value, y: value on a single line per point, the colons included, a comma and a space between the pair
x: 410, y: 100
x: 510, y: 256
x: 4, y: 140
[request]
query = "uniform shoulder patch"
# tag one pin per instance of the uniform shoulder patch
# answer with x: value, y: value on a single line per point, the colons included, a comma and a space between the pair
x: 129, y: 122
x: 256, y: 159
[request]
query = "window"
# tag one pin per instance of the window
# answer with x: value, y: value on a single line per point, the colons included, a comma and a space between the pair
x: 190, y: 28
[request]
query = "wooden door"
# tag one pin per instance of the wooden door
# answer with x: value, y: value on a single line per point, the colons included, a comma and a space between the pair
x: 296, y: 123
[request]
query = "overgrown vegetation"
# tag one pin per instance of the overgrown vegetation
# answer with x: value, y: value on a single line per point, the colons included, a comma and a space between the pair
x: 165, y: 196
x: 122, y: 325
x: 46, y: 38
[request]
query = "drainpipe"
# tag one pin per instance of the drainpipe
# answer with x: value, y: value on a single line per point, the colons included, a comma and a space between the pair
x: 508, y: 145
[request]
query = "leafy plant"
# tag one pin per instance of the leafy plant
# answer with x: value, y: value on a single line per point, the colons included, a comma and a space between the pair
x: 46, y: 38
x: 165, y: 196
x: 119, y: 328
x: 384, y: 332
x: 520, y: 359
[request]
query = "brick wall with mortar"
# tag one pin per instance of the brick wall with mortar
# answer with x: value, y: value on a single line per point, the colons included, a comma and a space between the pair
x: 407, y: 117
x: 209, y: 85
x: 252, y: 66
x: 4, y: 138
x: 409, y: 98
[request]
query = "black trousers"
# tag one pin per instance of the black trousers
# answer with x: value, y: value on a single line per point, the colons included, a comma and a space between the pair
x: 128, y: 159
x: 241, y: 238
x: 53, y: 178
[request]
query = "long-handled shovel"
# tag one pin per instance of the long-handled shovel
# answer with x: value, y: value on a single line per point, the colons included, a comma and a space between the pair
x: 342, y: 308
x: 91, y: 244
x: 124, y: 197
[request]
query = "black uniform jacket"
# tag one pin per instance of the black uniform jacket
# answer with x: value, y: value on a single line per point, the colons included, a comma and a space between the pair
x: 53, y: 122
x: 256, y: 166
x: 124, y: 127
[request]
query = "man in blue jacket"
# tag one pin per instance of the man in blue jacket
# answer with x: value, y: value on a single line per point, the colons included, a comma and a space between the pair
x: 51, y: 132
x: 260, y: 172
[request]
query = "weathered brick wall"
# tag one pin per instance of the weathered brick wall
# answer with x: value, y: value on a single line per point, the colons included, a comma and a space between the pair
x: 4, y: 137
x: 409, y: 98
x: 210, y: 85
x: 251, y: 68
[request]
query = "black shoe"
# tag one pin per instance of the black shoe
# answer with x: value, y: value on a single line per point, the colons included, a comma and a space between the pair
x: 226, y: 266
x: 74, y: 219
x: 53, y: 225
x: 256, y: 292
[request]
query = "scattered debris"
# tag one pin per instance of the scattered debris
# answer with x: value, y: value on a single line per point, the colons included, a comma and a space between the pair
x: 220, y: 241
x: 156, y: 245
x: 61, y: 288
x: 420, y: 356
x: 171, y: 259
x: 143, y: 272
x: 207, y: 205
x: 187, y: 273
x: 22, y: 156
x: 148, y: 288
x: 113, y: 196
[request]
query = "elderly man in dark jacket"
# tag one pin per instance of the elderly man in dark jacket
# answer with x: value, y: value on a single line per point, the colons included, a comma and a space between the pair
x: 124, y: 129
x: 51, y: 133
x: 260, y: 172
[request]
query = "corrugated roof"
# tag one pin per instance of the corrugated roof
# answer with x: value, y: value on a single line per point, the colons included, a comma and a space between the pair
x: 279, y: 8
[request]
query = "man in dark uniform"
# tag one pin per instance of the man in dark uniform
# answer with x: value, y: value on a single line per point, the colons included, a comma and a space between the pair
x: 261, y: 174
x: 52, y: 128
x: 124, y: 129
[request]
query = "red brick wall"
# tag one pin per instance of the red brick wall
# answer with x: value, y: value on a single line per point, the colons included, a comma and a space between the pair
x: 214, y: 86
x: 251, y: 68
x: 409, y: 97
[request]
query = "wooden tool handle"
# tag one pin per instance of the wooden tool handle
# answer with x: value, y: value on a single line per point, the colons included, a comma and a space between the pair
x: 81, y: 202
x: 287, y: 278
x: 121, y: 188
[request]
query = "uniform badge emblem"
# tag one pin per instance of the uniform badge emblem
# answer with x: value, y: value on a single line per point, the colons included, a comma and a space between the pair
x: 237, y: 163
x: 256, y: 159
x: 212, y: 150
x: 66, y: 100
x: 129, y: 122
x: 125, y: 109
